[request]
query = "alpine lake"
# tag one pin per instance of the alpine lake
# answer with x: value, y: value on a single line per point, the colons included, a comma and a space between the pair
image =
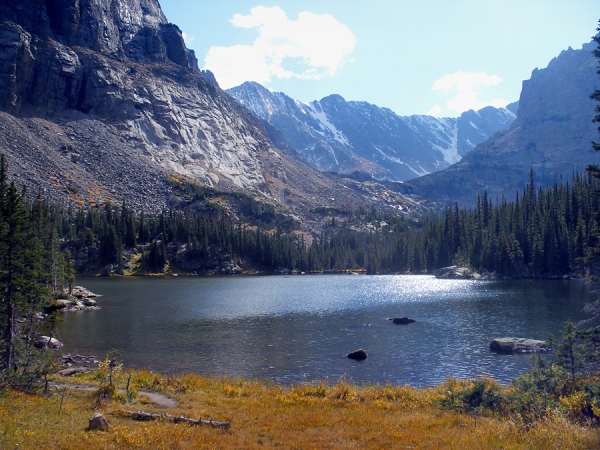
x: 291, y: 329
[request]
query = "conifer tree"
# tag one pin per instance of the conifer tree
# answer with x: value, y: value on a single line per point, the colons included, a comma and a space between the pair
x: 23, y: 285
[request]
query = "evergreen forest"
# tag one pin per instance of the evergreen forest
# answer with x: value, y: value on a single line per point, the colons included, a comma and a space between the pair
x: 544, y: 233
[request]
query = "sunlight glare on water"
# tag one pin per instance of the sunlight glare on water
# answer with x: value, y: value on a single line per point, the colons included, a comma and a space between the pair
x: 297, y: 328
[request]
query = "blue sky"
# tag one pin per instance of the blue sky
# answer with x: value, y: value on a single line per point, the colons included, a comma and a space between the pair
x: 415, y: 57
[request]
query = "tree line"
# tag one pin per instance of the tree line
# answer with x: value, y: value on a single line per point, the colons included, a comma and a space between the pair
x: 544, y: 233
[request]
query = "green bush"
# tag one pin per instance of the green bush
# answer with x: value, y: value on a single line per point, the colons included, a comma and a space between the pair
x: 537, y: 391
x: 477, y: 395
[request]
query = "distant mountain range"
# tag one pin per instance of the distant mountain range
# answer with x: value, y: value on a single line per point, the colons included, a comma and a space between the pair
x: 340, y: 136
x: 550, y: 136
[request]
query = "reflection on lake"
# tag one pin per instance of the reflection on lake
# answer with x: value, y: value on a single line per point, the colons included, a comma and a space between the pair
x: 291, y: 329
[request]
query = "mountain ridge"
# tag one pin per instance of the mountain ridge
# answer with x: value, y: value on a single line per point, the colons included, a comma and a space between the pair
x: 551, y: 136
x: 333, y: 134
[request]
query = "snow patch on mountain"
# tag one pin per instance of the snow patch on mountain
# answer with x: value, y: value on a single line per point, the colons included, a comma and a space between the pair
x: 326, y: 125
x: 418, y: 172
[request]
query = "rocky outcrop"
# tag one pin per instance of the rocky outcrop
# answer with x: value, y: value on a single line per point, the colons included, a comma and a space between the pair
x: 551, y: 136
x: 456, y: 273
x: 121, y: 29
x: 101, y: 101
x: 74, y: 364
x: 80, y: 300
x: 83, y: 293
x: 335, y: 135
x: 518, y: 345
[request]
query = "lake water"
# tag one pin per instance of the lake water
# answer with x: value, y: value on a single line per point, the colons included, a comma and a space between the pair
x: 299, y: 328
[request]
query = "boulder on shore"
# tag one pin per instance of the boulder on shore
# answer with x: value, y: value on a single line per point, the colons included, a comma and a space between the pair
x: 89, y: 302
x: 48, y: 342
x: 456, y: 273
x: 518, y: 345
x: 401, y: 320
x: 359, y: 355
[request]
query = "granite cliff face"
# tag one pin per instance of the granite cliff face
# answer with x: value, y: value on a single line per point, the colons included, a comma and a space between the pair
x: 101, y: 99
x: 551, y: 136
x: 122, y: 63
x: 335, y: 135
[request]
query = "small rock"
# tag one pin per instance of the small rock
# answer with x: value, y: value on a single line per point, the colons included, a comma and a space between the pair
x: 402, y: 320
x: 359, y: 355
x: 89, y: 302
x: 69, y: 372
x: 98, y: 422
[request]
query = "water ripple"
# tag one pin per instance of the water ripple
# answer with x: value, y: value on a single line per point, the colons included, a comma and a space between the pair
x: 300, y: 328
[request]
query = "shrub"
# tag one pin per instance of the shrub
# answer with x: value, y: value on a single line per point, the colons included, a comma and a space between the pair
x: 537, y: 391
x: 475, y: 395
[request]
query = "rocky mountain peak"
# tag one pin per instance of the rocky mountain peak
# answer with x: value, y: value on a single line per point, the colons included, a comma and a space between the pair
x: 551, y: 136
x: 134, y: 30
x: 538, y: 102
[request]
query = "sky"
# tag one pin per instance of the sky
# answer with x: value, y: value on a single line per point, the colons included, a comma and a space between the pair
x: 437, y: 57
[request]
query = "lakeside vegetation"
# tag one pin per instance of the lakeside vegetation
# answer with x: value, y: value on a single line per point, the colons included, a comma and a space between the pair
x: 474, y: 414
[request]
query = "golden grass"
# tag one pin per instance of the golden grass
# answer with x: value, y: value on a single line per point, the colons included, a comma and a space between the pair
x: 263, y: 415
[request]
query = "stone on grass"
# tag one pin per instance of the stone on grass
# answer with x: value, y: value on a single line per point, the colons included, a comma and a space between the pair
x: 98, y: 422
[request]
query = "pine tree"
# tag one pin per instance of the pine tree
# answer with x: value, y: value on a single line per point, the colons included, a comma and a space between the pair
x: 23, y: 290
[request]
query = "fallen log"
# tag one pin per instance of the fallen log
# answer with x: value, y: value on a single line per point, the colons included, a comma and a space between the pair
x: 141, y: 415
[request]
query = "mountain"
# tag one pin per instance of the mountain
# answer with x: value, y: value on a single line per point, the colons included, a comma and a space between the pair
x: 101, y: 100
x: 551, y: 136
x: 336, y: 135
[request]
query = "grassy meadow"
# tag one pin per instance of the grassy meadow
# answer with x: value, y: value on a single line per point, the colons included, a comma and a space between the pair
x: 263, y: 415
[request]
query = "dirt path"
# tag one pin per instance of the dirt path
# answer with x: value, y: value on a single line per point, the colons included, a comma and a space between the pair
x: 160, y: 400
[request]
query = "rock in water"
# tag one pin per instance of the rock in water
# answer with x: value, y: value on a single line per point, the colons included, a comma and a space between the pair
x: 98, y: 422
x: 456, y: 273
x: 518, y: 345
x: 402, y: 320
x: 359, y: 355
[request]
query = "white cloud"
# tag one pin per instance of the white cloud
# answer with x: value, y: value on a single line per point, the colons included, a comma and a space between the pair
x: 311, y: 47
x: 467, y: 86
x: 434, y: 111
